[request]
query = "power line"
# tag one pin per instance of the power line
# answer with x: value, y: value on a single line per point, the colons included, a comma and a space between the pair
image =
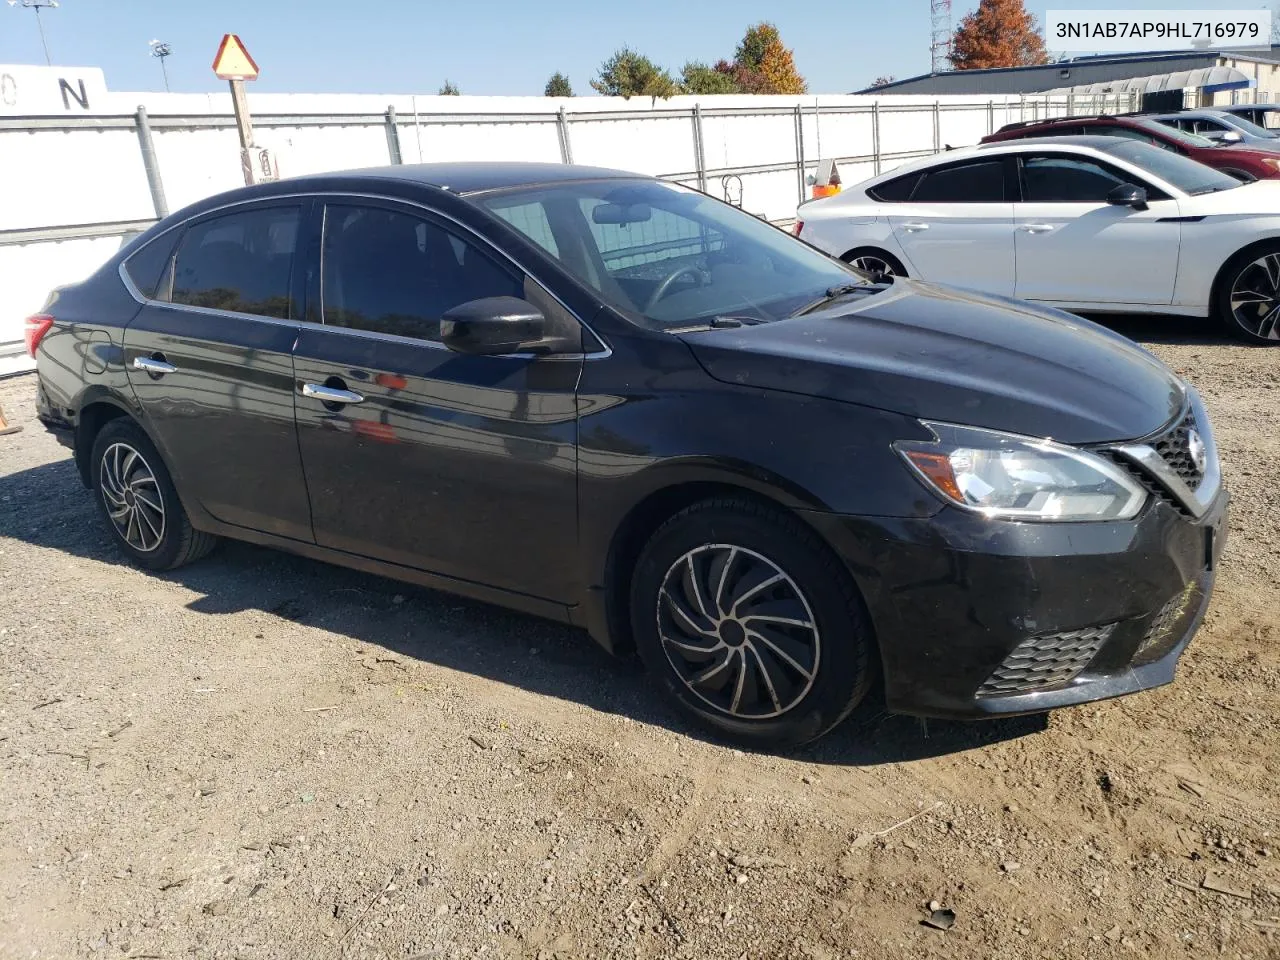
x: 36, y: 5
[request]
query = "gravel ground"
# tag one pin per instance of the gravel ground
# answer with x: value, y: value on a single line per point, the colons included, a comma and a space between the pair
x: 262, y: 756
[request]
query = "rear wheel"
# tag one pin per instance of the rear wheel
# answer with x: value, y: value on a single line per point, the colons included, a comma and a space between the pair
x: 750, y: 624
x: 1248, y: 295
x: 873, y: 260
x: 136, y: 496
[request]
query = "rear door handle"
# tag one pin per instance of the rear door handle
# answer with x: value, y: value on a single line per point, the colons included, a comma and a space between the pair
x: 319, y: 391
x: 1037, y: 227
x: 156, y: 365
x: 915, y: 227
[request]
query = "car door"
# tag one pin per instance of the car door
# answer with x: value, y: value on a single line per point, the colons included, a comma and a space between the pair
x: 209, y: 359
x: 461, y: 465
x: 957, y: 226
x: 1072, y: 246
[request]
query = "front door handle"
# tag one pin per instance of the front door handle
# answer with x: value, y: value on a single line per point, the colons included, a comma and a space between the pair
x: 319, y: 391
x: 915, y: 227
x: 1037, y: 227
x: 156, y: 366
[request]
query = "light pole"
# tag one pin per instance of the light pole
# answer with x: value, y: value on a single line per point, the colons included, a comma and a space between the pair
x: 160, y: 50
x: 36, y: 5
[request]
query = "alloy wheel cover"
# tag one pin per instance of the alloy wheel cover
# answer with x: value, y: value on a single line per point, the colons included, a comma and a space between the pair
x: 132, y: 496
x: 738, y: 631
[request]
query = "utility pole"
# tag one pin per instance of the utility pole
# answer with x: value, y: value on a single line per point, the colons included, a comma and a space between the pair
x: 161, y: 50
x: 36, y: 5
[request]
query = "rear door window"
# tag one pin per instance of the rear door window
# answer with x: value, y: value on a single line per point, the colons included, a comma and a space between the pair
x: 240, y: 262
x: 979, y: 182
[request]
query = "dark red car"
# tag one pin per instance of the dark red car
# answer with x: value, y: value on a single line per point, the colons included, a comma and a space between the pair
x: 1241, y: 162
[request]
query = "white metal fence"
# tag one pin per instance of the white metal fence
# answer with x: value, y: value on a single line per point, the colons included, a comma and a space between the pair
x: 72, y: 186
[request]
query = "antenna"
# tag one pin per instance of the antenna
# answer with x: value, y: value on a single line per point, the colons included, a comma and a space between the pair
x: 36, y: 5
x: 940, y: 36
x: 160, y: 50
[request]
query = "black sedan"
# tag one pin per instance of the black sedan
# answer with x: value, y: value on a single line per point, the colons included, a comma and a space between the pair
x: 622, y: 404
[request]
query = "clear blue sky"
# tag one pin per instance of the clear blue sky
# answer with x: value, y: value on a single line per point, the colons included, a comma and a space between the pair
x: 484, y: 46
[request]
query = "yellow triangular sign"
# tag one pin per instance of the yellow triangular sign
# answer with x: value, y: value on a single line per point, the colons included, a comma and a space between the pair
x: 233, y: 61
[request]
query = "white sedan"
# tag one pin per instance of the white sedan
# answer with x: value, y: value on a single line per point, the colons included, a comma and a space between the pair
x: 1091, y: 224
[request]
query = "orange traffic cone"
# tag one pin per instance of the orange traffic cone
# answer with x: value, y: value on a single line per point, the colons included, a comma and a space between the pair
x: 5, y: 429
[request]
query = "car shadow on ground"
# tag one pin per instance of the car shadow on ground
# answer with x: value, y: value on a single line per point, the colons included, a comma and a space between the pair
x: 1166, y: 329
x: 46, y: 506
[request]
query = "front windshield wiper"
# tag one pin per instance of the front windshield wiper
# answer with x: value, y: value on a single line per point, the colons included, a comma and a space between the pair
x: 838, y: 291
x: 715, y: 323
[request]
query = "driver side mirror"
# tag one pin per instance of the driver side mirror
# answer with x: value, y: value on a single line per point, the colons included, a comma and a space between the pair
x: 1128, y: 195
x: 492, y: 326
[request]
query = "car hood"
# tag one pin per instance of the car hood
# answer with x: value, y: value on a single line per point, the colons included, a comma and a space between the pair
x: 938, y: 353
x: 1258, y: 197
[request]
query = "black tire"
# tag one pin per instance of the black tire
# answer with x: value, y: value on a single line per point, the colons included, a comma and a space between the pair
x: 132, y: 483
x: 860, y: 253
x: 1258, y: 326
x: 842, y: 644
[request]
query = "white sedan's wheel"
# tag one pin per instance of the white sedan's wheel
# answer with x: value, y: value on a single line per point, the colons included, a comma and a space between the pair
x: 1253, y: 296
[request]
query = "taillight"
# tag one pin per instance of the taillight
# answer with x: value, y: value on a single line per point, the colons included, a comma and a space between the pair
x: 795, y: 230
x: 37, y: 326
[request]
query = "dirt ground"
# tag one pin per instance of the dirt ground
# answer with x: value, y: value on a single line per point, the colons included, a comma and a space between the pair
x: 263, y: 756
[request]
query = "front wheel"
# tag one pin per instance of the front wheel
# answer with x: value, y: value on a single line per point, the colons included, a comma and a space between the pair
x: 136, y: 496
x: 750, y: 624
x: 1248, y: 295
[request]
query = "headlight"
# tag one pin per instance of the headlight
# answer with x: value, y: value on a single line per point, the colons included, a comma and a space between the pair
x: 1021, y: 478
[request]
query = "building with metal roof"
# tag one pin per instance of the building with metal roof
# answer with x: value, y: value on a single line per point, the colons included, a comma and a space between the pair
x: 1194, y: 78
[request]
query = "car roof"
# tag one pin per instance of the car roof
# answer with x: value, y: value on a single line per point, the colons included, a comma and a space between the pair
x: 476, y: 177
x: 1094, y: 141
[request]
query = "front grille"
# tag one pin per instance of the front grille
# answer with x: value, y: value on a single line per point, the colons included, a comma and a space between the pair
x: 1045, y: 661
x: 1175, y: 448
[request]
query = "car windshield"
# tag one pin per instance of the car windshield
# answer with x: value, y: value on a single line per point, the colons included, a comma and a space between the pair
x: 670, y: 255
x: 1248, y: 126
x: 1189, y: 176
x: 1178, y: 136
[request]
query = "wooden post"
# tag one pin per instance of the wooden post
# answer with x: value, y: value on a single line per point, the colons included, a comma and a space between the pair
x: 240, y: 103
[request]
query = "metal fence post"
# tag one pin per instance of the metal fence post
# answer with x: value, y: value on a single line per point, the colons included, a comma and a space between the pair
x: 150, y: 164
x: 562, y: 131
x: 699, y: 154
x: 800, y: 164
x: 393, y: 135
x: 937, y: 127
x: 991, y: 116
x: 875, y: 137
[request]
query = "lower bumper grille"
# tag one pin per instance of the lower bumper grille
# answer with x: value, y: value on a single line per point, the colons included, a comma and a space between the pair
x: 1046, y: 661
x: 1170, y: 623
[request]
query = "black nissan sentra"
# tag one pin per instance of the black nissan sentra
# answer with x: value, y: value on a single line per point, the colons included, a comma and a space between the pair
x: 622, y: 404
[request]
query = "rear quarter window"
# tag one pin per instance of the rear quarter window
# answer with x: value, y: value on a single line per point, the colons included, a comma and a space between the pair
x: 148, y: 268
x: 895, y: 191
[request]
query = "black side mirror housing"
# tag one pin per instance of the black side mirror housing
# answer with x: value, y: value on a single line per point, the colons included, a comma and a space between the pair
x: 492, y: 326
x: 1128, y: 195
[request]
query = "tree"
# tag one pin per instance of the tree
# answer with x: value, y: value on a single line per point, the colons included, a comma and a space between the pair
x: 450, y: 89
x: 697, y: 77
x: 1000, y: 33
x: 628, y: 74
x: 763, y: 65
x: 558, y: 86
x: 883, y: 80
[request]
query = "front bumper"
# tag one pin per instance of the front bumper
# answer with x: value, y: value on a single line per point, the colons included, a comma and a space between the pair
x: 979, y: 618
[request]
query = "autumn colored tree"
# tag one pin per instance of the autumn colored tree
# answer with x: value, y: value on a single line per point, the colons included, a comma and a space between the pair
x: 1000, y: 33
x: 763, y: 65
x: 628, y: 74
x: 558, y: 86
